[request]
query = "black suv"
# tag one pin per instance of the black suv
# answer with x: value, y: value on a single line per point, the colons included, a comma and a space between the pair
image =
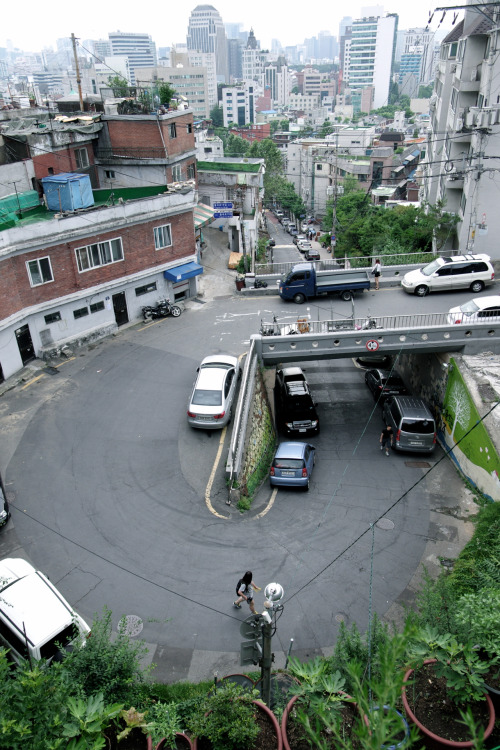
x: 295, y: 409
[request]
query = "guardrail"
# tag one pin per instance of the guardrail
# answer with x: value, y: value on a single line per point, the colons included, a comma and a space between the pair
x: 376, y: 322
x: 396, y: 263
x: 237, y: 444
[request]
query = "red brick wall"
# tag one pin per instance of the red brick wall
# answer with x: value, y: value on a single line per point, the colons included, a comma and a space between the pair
x: 138, y: 250
x: 141, y: 133
x: 60, y: 161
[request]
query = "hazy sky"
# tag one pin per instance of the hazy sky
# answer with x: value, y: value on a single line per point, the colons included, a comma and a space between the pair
x: 34, y: 25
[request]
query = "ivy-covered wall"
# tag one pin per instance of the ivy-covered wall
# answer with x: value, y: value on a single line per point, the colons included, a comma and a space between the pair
x: 261, y: 440
x: 475, y: 455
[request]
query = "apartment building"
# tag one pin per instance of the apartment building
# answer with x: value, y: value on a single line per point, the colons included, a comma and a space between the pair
x: 462, y: 167
x: 368, y: 59
x: 238, y: 103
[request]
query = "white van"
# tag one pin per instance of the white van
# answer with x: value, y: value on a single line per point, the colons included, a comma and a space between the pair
x: 472, y: 272
x: 35, y: 620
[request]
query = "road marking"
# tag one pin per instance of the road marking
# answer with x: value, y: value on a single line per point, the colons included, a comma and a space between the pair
x: 34, y: 380
x: 30, y: 382
x: 212, y: 477
x: 269, y: 505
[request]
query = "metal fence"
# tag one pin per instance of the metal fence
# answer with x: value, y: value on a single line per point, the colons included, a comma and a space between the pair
x: 337, y: 264
x: 376, y: 322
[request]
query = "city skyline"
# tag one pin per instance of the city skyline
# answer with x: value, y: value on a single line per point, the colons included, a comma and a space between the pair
x: 268, y: 22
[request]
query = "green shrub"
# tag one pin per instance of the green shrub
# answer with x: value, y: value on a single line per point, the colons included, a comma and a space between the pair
x: 227, y: 718
x: 109, y: 666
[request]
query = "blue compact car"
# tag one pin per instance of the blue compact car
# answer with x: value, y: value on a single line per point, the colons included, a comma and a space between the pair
x: 292, y: 465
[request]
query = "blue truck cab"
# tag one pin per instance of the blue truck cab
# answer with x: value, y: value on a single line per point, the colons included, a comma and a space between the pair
x: 303, y: 282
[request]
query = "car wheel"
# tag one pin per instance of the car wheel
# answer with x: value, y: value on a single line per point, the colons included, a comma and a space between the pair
x: 346, y: 296
x: 299, y: 299
x: 421, y: 290
x: 476, y: 286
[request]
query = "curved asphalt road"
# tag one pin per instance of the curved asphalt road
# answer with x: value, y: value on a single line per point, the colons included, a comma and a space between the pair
x: 108, y: 498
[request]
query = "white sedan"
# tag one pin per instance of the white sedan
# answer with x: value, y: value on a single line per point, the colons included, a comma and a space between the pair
x: 477, y: 310
x: 211, y: 401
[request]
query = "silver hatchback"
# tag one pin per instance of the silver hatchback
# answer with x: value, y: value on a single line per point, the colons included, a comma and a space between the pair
x: 211, y: 401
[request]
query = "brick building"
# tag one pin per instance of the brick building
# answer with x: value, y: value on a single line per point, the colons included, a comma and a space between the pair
x: 67, y: 279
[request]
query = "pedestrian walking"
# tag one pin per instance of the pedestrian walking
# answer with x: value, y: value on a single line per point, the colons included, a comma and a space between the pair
x: 244, y: 589
x: 386, y: 439
x: 377, y: 272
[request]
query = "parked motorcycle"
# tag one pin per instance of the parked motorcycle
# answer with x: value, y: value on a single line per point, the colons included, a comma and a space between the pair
x: 162, y: 310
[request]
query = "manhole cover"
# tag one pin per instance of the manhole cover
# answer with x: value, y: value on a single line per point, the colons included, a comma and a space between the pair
x: 385, y: 523
x: 417, y: 464
x: 131, y: 625
x: 51, y: 370
x: 340, y: 617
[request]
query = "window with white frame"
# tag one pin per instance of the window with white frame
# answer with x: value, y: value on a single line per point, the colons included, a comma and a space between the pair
x: 39, y: 271
x: 82, y: 158
x: 176, y: 173
x: 163, y: 236
x: 99, y: 254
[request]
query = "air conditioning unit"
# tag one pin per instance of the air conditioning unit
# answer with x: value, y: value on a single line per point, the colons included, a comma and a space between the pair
x: 453, y: 68
x: 473, y: 73
x: 459, y: 124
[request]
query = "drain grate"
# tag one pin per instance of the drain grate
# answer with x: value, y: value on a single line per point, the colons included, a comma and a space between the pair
x: 417, y: 464
x: 131, y: 625
x: 51, y: 370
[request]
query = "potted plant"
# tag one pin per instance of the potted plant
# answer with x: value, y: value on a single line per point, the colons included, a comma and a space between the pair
x: 447, y: 678
x: 318, y: 701
x: 166, y: 727
x: 87, y: 721
x: 231, y: 718
x: 478, y: 614
x: 134, y: 731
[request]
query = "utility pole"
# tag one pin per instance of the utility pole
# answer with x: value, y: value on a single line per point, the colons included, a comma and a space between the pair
x: 77, y: 68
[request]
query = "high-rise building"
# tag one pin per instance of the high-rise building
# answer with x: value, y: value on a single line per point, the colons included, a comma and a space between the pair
x: 412, y: 43
x: 234, y: 58
x: 238, y: 103
x: 139, y: 48
x: 371, y: 58
x: 206, y: 33
x: 254, y: 60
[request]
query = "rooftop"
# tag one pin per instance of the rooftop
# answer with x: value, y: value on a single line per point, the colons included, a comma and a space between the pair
x: 227, y: 164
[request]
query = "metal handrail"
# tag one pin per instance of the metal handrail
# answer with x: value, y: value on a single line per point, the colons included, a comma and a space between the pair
x: 375, y: 322
x: 327, y: 264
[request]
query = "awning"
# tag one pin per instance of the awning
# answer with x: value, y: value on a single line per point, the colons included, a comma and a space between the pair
x: 180, y: 273
x: 203, y: 215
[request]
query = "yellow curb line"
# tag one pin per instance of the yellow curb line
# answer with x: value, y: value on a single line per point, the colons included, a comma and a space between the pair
x: 269, y: 505
x: 212, y: 477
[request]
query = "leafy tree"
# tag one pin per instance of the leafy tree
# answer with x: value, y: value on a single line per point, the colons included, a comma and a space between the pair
x: 165, y: 91
x: 119, y: 85
x: 217, y: 116
x: 295, y: 90
x: 236, y: 146
x: 326, y: 129
x: 425, y: 92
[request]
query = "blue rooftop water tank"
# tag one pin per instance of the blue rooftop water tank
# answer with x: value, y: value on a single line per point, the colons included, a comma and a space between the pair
x: 68, y: 191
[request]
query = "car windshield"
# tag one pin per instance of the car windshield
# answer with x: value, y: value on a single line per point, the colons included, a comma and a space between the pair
x: 431, y: 268
x: 418, y: 426
x: 288, y: 463
x: 469, y: 307
x: 203, y: 397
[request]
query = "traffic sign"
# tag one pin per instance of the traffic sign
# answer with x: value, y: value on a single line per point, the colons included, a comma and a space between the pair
x: 223, y: 215
x: 250, y: 628
x: 227, y: 204
x: 372, y: 345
